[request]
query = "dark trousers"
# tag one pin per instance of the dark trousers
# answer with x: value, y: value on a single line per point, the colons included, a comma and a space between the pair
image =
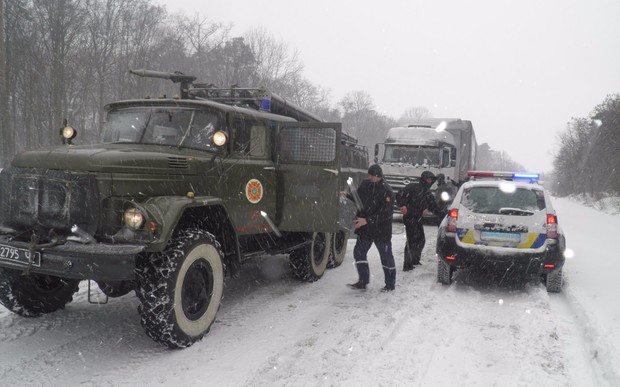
x: 360, y: 253
x: 415, y: 244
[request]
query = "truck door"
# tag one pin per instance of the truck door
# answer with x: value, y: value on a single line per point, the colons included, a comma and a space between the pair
x: 308, y: 168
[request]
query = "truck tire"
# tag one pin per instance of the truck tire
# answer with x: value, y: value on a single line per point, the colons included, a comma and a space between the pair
x: 444, y: 272
x: 309, y: 262
x: 553, y: 281
x: 114, y: 289
x: 338, y: 248
x: 181, y: 288
x: 33, y: 295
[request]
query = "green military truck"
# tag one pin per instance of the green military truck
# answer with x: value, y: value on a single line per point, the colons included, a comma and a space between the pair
x: 177, y: 195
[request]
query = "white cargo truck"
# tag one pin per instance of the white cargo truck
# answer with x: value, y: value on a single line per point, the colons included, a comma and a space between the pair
x: 445, y: 146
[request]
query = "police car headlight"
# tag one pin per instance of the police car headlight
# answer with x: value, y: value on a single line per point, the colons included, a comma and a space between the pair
x: 133, y: 218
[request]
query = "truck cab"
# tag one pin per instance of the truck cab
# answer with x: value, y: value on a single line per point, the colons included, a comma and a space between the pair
x: 444, y: 146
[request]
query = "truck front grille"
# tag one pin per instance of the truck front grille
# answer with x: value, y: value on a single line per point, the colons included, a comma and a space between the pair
x: 33, y: 200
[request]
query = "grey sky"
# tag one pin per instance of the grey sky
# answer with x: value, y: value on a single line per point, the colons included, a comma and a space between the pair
x: 519, y: 70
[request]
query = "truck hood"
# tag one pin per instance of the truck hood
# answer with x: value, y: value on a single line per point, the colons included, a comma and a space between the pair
x: 119, y: 158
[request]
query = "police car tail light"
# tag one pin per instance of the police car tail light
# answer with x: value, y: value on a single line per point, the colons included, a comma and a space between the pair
x: 453, y: 215
x: 552, y: 226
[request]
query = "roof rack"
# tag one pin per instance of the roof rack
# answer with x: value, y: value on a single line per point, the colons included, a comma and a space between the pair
x: 258, y: 98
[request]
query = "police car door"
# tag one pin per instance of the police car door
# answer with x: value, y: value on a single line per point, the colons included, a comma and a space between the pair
x: 308, y: 176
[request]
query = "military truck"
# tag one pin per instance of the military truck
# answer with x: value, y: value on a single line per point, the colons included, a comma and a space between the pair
x: 178, y: 194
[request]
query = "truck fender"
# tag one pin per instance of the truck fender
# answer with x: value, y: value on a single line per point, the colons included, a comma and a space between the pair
x: 174, y: 213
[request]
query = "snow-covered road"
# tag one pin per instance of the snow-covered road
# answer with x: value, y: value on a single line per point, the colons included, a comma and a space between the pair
x: 274, y: 331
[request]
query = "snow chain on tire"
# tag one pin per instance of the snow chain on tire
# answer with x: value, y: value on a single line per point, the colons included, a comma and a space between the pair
x: 309, y: 263
x: 32, y: 295
x: 181, y: 288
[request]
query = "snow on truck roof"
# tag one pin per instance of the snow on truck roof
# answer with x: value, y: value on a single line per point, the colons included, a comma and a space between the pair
x: 417, y: 135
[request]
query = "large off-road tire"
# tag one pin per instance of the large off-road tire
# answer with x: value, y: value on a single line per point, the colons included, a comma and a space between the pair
x: 338, y: 248
x: 444, y: 272
x: 309, y: 263
x: 116, y: 288
x: 32, y: 295
x: 181, y: 288
x: 553, y: 281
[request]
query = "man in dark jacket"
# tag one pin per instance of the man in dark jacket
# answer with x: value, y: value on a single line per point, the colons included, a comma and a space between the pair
x: 413, y: 200
x: 373, y: 225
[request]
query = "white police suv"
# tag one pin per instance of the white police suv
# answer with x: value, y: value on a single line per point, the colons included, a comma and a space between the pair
x: 502, y: 219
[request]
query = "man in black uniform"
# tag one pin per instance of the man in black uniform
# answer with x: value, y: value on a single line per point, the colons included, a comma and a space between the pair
x: 413, y: 200
x: 373, y: 225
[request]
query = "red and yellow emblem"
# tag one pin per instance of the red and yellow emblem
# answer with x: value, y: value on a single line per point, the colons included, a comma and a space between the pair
x: 254, y: 191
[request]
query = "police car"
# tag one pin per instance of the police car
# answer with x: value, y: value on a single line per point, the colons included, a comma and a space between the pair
x: 502, y: 219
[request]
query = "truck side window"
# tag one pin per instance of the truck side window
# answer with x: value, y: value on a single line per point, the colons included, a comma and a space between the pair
x: 240, y: 137
x: 250, y: 138
x: 445, y: 157
x: 259, y: 141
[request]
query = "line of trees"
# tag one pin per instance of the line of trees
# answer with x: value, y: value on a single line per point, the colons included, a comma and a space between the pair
x: 65, y: 59
x: 588, y: 156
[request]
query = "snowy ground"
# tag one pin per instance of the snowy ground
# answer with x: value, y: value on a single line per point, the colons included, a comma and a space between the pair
x: 275, y: 331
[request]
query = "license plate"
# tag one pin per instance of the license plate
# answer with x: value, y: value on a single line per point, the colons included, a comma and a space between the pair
x: 14, y: 254
x: 490, y: 236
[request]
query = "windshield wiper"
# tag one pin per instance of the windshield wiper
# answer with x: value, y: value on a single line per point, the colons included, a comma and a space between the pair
x: 515, y: 211
x: 189, y: 128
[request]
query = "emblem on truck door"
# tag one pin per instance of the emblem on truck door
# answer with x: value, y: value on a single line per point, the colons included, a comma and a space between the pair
x: 254, y: 191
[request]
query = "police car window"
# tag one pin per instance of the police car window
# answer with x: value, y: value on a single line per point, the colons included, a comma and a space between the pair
x: 307, y: 145
x: 490, y: 200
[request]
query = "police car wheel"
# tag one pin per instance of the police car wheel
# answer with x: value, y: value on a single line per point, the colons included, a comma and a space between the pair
x: 310, y: 262
x: 33, y: 295
x: 181, y: 289
x: 338, y: 248
x: 553, y: 281
x: 444, y: 273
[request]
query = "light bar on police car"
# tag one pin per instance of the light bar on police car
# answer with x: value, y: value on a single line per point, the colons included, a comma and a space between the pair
x: 504, y: 175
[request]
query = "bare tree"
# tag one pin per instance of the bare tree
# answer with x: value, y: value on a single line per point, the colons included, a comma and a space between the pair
x: 361, y: 119
x: 8, y: 140
x: 417, y: 112
x: 278, y: 65
x: 60, y: 24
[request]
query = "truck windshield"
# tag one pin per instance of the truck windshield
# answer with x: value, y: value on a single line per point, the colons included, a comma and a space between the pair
x: 414, y: 155
x: 182, y: 127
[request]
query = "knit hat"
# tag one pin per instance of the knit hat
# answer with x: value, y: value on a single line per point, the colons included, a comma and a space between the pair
x: 375, y: 170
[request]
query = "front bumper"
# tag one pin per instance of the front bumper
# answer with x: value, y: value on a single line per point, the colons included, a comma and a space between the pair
x: 546, y: 261
x: 97, y: 261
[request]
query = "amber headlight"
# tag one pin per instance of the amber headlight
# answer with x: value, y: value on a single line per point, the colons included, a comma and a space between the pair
x: 133, y: 218
x: 220, y: 138
x: 68, y: 133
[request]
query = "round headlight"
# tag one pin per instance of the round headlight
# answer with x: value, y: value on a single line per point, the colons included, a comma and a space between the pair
x: 133, y: 218
x: 445, y: 196
x: 220, y: 138
x: 68, y: 133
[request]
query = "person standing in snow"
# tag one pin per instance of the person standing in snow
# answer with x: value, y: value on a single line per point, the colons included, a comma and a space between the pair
x: 373, y: 225
x: 413, y: 200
